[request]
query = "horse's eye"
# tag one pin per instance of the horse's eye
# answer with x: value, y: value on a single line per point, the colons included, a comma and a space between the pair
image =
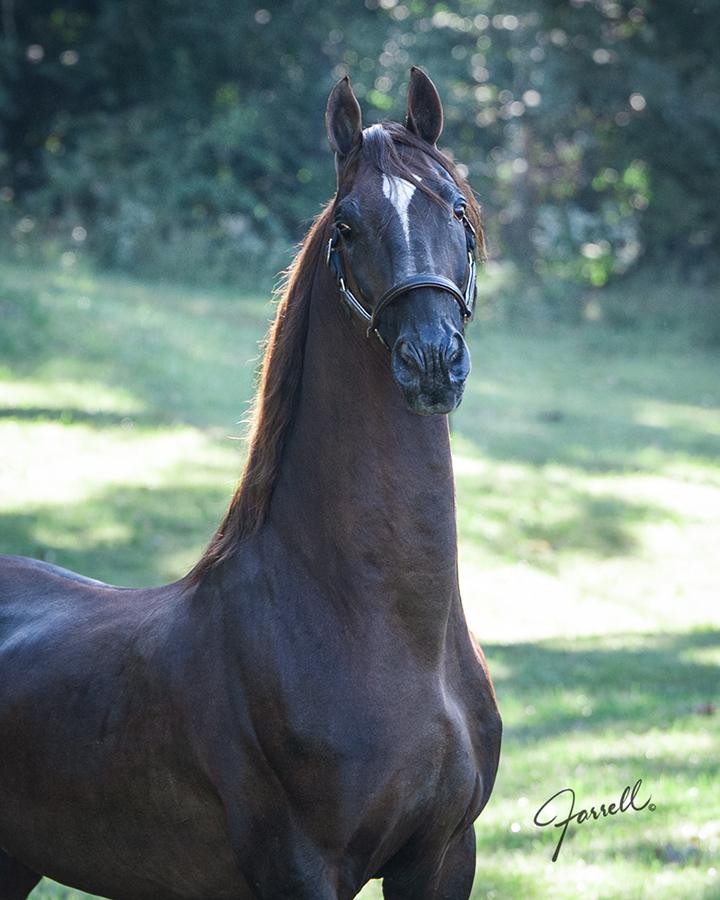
x: 459, y: 209
x: 343, y: 228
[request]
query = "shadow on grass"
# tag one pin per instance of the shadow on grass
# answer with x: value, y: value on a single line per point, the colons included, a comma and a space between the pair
x: 594, y: 445
x: 534, y: 519
x: 70, y: 416
x: 558, y: 688
x: 125, y: 536
x: 599, y: 406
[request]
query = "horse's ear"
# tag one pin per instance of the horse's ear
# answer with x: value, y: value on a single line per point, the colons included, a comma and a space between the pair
x: 343, y: 118
x: 424, y: 109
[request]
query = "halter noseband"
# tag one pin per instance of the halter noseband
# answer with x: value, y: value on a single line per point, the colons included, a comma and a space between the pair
x: 465, y: 297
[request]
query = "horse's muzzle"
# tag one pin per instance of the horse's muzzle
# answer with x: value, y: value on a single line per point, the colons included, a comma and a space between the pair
x: 431, y: 375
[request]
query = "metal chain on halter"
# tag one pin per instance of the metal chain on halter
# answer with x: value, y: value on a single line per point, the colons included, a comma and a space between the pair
x: 466, y: 297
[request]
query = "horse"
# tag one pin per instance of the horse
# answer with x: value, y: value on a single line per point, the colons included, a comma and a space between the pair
x: 306, y: 709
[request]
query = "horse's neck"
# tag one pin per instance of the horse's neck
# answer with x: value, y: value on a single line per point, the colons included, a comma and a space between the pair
x: 365, y: 492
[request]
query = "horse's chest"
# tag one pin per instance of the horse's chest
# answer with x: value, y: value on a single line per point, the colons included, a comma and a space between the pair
x: 370, y: 768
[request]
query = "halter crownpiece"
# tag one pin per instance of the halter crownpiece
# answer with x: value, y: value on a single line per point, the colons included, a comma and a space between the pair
x: 465, y: 297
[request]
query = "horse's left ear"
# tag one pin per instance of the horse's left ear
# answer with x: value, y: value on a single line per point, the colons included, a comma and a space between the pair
x: 343, y: 118
x: 424, y: 109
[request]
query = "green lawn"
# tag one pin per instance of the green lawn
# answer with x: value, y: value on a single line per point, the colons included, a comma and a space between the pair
x: 588, y: 470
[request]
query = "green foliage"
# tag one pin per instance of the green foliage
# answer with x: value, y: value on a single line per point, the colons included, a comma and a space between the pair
x: 186, y: 140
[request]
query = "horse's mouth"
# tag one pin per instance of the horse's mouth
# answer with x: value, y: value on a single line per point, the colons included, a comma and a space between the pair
x: 439, y: 400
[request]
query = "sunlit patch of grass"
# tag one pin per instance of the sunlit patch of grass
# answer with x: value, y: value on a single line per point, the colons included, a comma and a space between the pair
x: 88, y: 459
x: 38, y: 399
x: 588, y: 484
x: 121, y: 504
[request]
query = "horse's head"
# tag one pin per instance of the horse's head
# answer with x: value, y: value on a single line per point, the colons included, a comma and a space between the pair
x: 404, y: 242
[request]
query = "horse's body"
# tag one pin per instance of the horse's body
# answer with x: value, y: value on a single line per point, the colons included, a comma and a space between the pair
x: 295, y: 717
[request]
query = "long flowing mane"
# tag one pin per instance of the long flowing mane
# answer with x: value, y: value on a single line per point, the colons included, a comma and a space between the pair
x: 281, y: 372
x: 275, y: 402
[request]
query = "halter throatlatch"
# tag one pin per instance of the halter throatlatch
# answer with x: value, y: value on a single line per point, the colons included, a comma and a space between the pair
x: 465, y: 297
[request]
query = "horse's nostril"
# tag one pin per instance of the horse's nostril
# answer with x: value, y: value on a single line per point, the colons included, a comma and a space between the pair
x: 413, y: 360
x: 408, y: 354
x: 455, y: 352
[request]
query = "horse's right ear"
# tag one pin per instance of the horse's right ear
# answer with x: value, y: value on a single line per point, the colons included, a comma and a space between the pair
x: 343, y: 118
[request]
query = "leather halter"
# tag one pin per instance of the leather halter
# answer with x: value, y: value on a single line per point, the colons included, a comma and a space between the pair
x: 465, y: 296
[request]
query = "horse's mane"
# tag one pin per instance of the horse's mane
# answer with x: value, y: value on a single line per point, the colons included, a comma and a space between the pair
x: 276, y: 399
x: 275, y: 402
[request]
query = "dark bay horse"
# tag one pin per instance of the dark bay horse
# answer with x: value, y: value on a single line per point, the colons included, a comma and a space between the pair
x: 305, y: 710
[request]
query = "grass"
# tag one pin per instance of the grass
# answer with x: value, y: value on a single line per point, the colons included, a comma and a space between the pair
x: 588, y: 471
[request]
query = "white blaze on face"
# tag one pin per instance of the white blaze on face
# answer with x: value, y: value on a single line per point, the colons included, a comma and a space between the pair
x: 400, y: 192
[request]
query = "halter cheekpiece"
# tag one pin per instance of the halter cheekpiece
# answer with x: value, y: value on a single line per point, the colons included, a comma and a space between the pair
x: 465, y: 297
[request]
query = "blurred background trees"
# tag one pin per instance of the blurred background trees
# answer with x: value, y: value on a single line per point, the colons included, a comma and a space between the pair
x: 176, y: 139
